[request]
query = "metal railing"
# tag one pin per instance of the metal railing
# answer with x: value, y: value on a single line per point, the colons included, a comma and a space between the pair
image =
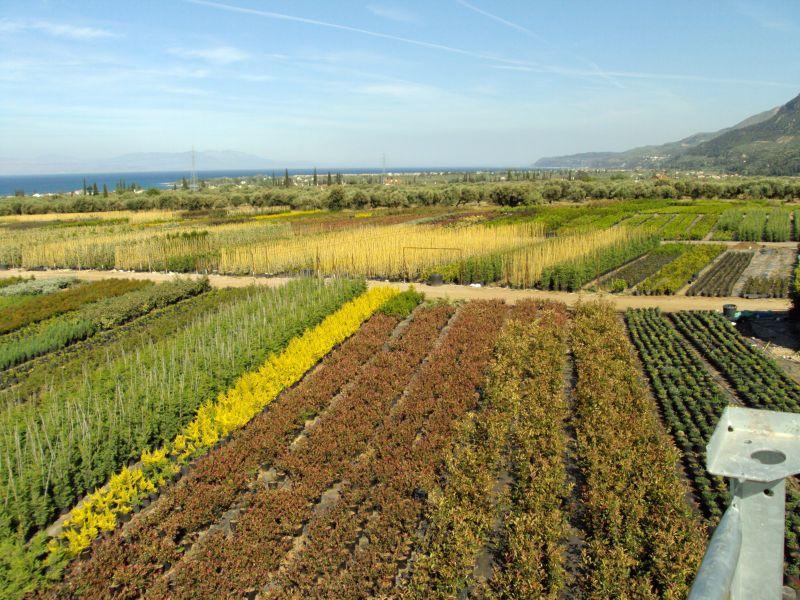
x: 715, y: 577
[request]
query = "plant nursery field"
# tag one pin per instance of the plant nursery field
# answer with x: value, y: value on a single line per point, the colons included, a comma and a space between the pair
x: 561, y: 246
x: 326, y: 438
x: 321, y: 440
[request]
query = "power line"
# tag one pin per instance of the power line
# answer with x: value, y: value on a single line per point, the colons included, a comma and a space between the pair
x: 193, y: 184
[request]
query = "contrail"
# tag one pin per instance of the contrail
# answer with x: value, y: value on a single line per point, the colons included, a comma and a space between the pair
x: 597, y: 71
x: 505, y: 22
x: 506, y: 63
x: 283, y: 17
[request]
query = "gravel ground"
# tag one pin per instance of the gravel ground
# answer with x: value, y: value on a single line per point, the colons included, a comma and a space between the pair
x: 768, y: 261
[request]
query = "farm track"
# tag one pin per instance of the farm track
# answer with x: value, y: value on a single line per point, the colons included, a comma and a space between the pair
x: 461, y: 292
x: 576, y: 513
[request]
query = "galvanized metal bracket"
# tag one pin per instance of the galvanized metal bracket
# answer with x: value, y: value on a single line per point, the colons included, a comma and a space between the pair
x: 756, y: 450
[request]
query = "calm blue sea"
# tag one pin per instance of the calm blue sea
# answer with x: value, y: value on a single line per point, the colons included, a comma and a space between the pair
x: 44, y: 184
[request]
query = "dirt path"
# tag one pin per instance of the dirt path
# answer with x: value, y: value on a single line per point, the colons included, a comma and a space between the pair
x: 739, y: 245
x: 453, y: 292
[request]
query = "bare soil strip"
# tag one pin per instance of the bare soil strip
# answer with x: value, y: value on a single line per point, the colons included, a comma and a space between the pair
x: 575, y: 514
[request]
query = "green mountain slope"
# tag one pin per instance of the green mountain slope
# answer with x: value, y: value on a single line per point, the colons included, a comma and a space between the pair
x: 770, y: 147
x: 765, y: 143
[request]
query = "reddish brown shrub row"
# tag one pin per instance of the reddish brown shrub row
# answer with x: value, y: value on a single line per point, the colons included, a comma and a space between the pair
x: 517, y: 435
x: 357, y: 548
x: 235, y: 564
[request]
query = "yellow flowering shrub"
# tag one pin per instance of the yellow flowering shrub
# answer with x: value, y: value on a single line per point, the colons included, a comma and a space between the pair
x: 285, y: 214
x: 99, y: 510
x: 215, y: 419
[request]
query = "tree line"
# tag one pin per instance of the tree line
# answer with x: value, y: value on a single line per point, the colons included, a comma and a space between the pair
x: 339, y: 196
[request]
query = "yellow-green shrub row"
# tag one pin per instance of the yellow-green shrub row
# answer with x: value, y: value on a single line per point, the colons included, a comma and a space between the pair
x: 519, y: 427
x: 215, y: 419
x: 643, y: 540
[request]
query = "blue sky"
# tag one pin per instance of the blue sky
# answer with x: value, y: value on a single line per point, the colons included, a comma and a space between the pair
x: 338, y: 83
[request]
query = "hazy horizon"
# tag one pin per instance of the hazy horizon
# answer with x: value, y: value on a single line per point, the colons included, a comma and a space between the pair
x: 457, y: 83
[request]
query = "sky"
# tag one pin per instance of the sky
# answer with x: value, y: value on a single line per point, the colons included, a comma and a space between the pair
x: 425, y: 83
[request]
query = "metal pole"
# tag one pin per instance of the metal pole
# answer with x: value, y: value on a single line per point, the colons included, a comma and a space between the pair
x: 756, y: 450
x: 759, y: 573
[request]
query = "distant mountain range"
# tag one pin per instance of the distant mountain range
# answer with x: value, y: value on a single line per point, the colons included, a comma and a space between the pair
x: 210, y: 160
x: 765, y: 144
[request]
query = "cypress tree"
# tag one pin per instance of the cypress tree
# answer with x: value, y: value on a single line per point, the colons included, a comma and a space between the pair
x: 286, y: 182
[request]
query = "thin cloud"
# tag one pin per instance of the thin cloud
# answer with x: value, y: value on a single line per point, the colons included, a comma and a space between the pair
x: 64, y: 30
x: 219, y: 55
x: 375, y: 34
x: 393, y: 13
x: 401, y: 91
x: 643, y: 75
x: 596, y: 72
x: 766, y: 18
x: 183, y: 90
x: 256, y: 78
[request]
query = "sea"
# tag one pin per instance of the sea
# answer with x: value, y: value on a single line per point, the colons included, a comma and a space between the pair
x: 71, y: 182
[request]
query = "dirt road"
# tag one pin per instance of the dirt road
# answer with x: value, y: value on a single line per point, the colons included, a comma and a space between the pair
x: 452, y: 292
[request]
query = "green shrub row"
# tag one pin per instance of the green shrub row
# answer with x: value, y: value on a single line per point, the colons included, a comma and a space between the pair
x: 43, y: 337
x: 402, y: 304
x: 38, y: 308
x: 7, y: 281
x: 571, y: 275
x: 80, y: 431
x: 19, y: 286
